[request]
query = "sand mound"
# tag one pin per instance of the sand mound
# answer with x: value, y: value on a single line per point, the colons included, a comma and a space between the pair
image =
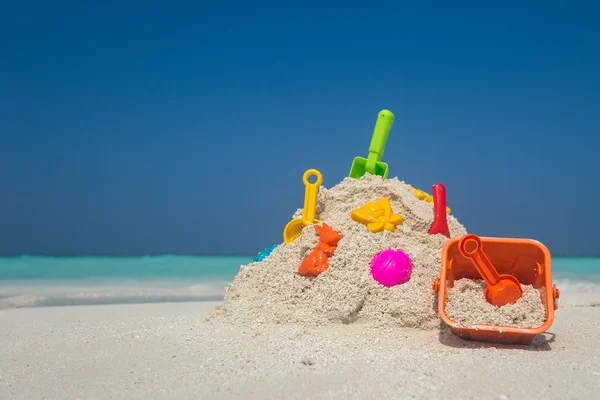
x: 273, y: 291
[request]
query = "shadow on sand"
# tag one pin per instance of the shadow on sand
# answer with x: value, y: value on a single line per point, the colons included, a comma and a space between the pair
x: 540, y: 343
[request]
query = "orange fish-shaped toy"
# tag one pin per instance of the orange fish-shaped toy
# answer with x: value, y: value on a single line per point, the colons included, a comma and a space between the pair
x: 377, y: 216
x: 317, y: 261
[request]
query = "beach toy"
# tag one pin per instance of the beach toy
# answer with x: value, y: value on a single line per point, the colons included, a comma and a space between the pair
x: 264, y: 254
x: 527, y: 260
x: 421, y: 195
x: 500, y: 289
x: 372, y: 165
x: 391, y: 267
x: 317, y: 261
x: 293, y: 230
x: 440, y: 223
x: 377, y: 216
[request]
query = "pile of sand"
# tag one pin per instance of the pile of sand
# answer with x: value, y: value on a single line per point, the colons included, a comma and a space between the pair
x: 272, y: 291
x: 466, y: 305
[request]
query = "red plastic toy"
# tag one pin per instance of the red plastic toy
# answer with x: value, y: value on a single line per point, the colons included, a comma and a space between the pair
x: 440, y: 223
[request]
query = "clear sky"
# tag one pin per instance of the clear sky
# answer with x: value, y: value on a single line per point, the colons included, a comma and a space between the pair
x: 167, y: 127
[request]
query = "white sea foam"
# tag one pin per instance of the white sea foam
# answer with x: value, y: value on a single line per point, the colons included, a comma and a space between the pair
x: 16, y: 294
x: 577, y: 286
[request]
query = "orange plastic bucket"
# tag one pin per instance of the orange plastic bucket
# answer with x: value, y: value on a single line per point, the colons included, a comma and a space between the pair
x: 526, y: 259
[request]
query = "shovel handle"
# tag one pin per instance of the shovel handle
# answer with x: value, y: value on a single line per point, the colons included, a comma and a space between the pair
x: 440, y: 222
x: 383, y: 125
x: 385, y: 119
x: 477, y: 256
x: 310, y: 196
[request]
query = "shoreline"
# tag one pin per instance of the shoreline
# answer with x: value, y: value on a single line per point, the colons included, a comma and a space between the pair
x: 25, y: 294
x: 75, y: 296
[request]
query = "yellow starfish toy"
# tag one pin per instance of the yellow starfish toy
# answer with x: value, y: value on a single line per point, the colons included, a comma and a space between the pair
x: 377, y: 216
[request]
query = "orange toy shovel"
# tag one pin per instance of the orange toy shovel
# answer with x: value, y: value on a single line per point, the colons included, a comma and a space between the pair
x: 500, y: 289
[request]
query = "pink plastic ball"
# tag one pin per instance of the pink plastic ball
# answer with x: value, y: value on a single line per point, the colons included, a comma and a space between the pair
x: 391, y: 267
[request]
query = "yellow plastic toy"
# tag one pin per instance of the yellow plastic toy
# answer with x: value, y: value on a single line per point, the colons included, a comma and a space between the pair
x: 377, y: 216
x: 421, y: 195
x: 293, y: 230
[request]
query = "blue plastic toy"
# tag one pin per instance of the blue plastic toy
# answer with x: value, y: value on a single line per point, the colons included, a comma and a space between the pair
x: 264, y: 254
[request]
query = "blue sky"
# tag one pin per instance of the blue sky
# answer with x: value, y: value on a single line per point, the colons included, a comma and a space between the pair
x: 169, y: 127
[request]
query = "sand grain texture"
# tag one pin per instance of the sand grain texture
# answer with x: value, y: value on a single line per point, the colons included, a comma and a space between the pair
x: 467, y: 305
x: 167, y: 351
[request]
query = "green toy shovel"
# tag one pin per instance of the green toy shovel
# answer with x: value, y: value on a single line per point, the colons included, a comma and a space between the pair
x: 372, y: 165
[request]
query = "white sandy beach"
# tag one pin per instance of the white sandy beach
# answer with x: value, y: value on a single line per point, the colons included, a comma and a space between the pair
x: 168, y: 351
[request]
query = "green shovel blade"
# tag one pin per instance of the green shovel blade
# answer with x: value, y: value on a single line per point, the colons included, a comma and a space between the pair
x: 371, y: 164
x: 359, y: 168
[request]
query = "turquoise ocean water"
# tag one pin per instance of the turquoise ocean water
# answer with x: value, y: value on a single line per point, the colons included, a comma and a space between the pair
x: 36, y: 281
